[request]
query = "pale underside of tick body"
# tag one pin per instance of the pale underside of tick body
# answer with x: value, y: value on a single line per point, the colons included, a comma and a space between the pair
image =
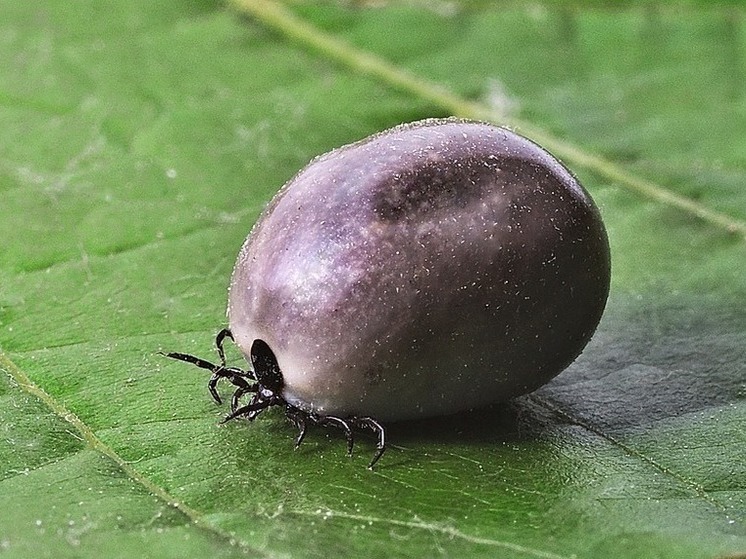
x: 433, y: 268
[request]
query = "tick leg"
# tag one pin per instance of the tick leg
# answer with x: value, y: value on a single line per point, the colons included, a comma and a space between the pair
x: 236, y: 376
x: 192, y: 359
x: 299, y: 420
x: 249, y: 409
x: 243, y: 388
x: 224, y: 333
x: 301, y: 433
x: 253, y: 408
x: 377, y: 428
x: 342, y: 424
x: 212, y: 387
x: 216, y: 370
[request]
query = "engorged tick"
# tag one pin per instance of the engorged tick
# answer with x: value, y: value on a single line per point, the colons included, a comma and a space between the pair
x: 435, y: 267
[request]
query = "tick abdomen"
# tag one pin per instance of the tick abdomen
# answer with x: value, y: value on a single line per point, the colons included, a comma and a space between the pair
x: 432, y: 268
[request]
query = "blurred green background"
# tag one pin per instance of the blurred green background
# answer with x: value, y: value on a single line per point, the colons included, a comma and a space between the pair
x: 140, y: 140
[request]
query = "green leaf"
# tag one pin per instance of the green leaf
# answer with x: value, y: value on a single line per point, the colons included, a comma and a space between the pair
x: 140, y: 140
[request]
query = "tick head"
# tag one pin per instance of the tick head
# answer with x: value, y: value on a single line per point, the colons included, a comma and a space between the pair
x: 266, y: 368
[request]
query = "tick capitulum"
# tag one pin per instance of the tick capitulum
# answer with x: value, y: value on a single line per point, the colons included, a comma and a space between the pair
x: 265, y: 383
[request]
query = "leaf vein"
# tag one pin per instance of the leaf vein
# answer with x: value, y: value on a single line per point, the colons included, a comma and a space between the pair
x: 435, y: 528
x: 277, y: 17
x: 689, y: 483
x: 25, y: 383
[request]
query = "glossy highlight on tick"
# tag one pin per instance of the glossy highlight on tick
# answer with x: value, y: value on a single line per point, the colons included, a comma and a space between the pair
x: 432, y: 268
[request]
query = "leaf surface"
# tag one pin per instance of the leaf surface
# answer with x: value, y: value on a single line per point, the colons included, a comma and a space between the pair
x: 139, y: 142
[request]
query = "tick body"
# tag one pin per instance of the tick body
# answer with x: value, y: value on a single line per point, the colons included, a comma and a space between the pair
x: 435, y: 267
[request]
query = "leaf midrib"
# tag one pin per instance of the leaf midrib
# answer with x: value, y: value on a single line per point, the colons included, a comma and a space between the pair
x: 280, y: 19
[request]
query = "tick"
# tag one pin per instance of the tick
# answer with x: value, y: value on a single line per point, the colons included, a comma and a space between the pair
x: 433, y: 268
